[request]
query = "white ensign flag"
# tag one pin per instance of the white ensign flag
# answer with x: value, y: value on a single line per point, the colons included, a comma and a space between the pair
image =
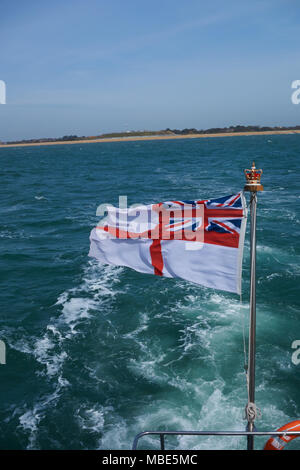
x: 200, y: 241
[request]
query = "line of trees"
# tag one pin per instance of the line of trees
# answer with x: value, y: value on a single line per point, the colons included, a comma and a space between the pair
x: 168, y: 131
x: 238, y: 128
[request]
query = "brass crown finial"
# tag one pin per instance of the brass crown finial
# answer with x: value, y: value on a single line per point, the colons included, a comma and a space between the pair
x: 253, y: 179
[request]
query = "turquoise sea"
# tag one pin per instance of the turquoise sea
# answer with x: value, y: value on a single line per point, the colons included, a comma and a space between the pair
x: 96, y: 353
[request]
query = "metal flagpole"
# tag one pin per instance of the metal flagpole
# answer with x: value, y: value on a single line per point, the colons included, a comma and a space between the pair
x: 253, y: 185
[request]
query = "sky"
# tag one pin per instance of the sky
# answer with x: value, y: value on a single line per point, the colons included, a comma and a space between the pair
x: 87, y: 67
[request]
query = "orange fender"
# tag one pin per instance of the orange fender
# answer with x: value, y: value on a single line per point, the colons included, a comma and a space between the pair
x: 278, y: 442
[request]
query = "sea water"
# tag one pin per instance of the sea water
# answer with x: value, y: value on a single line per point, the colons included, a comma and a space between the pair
x: 95, y: 353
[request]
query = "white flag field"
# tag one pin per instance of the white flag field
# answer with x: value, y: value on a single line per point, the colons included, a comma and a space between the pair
x: 200, y: 241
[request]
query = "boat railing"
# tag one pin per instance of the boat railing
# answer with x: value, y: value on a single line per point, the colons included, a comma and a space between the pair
x: 246, y: 434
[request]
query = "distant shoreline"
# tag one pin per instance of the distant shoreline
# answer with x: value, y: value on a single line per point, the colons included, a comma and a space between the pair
x: 150, y: 137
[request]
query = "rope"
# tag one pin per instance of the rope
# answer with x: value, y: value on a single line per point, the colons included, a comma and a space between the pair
x: 252, y: 412
x: 244, y: 327
x: 245, y: 348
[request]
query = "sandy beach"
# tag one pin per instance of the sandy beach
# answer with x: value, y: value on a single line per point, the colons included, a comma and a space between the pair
x: 151, y: 137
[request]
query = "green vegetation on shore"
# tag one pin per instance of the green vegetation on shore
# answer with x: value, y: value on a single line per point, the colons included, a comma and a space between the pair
x: 186, y: 131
